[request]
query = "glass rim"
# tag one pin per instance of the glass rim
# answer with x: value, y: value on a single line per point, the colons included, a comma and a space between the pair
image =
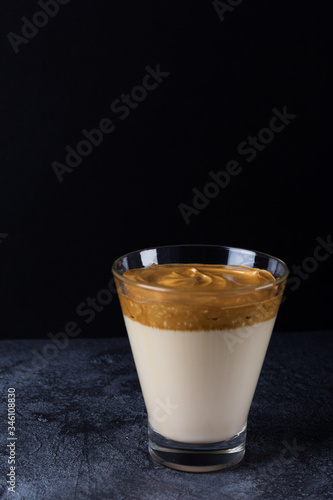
x: 243, y: 289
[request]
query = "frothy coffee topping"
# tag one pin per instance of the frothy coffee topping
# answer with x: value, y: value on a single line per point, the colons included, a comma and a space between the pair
x: 199, y: 296
x: 200, y: 276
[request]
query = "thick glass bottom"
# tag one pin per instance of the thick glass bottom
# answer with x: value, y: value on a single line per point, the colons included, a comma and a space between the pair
x: 196, y: 457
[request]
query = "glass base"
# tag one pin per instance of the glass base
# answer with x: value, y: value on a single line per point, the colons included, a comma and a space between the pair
x: 196, y: 457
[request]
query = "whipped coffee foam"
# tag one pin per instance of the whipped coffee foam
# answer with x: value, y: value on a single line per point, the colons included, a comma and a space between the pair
x: 199, y: 296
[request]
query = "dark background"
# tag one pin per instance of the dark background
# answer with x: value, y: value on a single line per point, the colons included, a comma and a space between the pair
x: 58, y: 240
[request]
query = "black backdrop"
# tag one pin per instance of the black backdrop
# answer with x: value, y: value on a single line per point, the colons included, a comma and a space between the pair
x: 200, y: 83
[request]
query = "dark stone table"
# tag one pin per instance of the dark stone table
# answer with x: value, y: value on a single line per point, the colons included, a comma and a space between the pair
x: 81, y: 426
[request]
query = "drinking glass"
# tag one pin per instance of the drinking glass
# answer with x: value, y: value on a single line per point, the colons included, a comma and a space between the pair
x: 199, y: 376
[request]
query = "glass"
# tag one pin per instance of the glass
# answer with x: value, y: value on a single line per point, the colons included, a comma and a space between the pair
x: 198, y: 384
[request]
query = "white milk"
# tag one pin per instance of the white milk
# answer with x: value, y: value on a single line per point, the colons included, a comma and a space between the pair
x: 198, y: 385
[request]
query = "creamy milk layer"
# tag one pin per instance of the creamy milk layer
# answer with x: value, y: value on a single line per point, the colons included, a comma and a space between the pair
x: 199, y: 335
x: 198, y: 385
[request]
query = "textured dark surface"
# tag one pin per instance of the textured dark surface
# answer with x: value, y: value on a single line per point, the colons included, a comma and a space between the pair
x: 81, y: 426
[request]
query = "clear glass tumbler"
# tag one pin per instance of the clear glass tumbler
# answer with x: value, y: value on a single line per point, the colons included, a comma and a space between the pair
x: 198, y: 378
